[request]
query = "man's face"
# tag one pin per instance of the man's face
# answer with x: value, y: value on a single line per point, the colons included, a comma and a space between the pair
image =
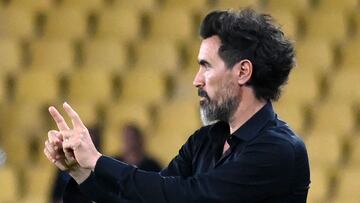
x: 217, y: 85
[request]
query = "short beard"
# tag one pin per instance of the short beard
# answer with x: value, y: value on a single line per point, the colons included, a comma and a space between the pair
x: 212, y: 111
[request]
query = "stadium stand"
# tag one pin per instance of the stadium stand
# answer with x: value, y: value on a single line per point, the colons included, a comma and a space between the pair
x: 118, y: 61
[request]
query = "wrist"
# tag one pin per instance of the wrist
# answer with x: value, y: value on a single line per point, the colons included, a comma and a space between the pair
x: 80, y: 174
x: 94, y: 161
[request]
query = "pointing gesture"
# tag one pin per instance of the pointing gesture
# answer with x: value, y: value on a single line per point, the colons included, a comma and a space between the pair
x: 77, y: 144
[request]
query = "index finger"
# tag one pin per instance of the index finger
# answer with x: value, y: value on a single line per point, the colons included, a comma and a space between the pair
x: 59, y: 120
x: 74, y: 116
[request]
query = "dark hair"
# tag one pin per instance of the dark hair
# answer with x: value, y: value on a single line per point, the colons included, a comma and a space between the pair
x: 246, y: 34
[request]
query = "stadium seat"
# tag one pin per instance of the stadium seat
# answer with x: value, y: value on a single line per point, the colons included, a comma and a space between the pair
x: 139, y: 5
x: 66, y: 24
x: 184, y: 88
x: 351, y: 55
x: 291, y: 113
x: 10, y: 55
x: 336, y: 116
x: 320, y: 26
x: 292, y: 6
x: 38, y: 182
x: 288, y: 21
x: 227, y: 4
x: 348, y: 189
x: 146, y: 86
x: 172, y: 24
x: 3, y: 88
x: 318, y: 186
x: 90, y: 86
x: 32, y: 5
x: 158, y: 55
x: 119, y: 23
x: 298, y: 91
x: 308, y: 59
x: 344, y: 87
x: 106, y: 54
x: 55, y: 55
x: 355, y: 151
x: 17, y: 23
x: 173, y: 130
x: 334, y: 5
x: 318, y: 144
x: 119, y: 114
x: 83, y: 5
x: 195, y: 6
x: 36, y: 87
x: 9, y: 184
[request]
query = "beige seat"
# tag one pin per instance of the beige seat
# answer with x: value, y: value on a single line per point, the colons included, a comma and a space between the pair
x: 177, y: 120
x: 334, y: 5
x: 145, y: 86
x: 158, y: 55
x: 328, y: 26
x: 9, y: 185
x: 37, y: 87
x: 172, y: 24
x: 18, y: 122
x: 106, y: 54
x: 16, y: 23
x: 334, y: 116
x: 349, y: 184
x: 319, y: 185
x: 119, y: 114
x: 66, y: 23
x: 299, y: 92
x: 318, y: 144
x: 307, y: 57
x: 56, y: 55
x: 139, y: 5
x: 344, y: 87
x: 287, y: 19
x: 355, y: 151
x: 38, y: 182
x: 10, y: 55
x: 292, y: 114
x: 32, y: 5
x: 351, y: 55
x: 83, y: 5
x: 119, y: 23
x: 292, y: 6
x: 90, y: 86
x: 196, y: 6
x: 227, y: 4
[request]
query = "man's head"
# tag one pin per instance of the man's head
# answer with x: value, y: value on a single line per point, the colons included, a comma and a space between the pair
x: 240, y: 50
x: 132, y: 139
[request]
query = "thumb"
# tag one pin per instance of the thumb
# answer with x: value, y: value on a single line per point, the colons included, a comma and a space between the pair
x: 70, y: 159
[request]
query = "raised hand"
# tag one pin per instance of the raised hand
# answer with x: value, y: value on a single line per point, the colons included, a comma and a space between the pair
x: 77, y: 144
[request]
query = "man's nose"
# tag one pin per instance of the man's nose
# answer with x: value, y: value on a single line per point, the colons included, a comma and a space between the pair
x: 199, y: 79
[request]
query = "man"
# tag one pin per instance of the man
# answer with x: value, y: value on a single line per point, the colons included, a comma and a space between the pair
x: 133, y: 149
x: 243, y: 154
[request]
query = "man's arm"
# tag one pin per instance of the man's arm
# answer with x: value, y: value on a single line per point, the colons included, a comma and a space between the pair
x: 264, y: 170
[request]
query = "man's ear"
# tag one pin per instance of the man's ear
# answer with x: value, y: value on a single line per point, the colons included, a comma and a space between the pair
x: 244, y: 70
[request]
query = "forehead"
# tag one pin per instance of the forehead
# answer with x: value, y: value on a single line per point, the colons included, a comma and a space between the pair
x: 209, y: 48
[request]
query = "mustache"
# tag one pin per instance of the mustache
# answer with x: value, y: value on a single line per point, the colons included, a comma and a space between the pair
x: 203, y: 93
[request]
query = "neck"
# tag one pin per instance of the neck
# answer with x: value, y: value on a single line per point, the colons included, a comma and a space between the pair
x: 247, y: 108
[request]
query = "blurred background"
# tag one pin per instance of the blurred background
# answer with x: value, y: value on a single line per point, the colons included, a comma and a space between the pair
x: 120, y: 61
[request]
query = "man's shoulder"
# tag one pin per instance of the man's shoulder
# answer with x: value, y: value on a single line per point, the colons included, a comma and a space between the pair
x: 281, y: 134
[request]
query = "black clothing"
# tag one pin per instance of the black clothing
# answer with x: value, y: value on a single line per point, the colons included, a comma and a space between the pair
x: 266, y: 162
x: 146, y: 164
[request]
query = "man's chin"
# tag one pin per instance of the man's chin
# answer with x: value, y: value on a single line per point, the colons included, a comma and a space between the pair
x: 204, y: 119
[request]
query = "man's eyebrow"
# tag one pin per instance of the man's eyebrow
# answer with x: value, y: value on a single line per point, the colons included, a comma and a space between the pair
x: 203, y: 62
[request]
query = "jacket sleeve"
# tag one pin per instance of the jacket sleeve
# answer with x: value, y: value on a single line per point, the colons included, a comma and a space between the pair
x: 263, y: 170
x: 93, y: 189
